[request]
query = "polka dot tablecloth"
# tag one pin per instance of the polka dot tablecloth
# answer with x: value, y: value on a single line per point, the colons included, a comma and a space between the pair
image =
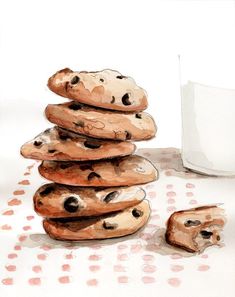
x: 139, y: 265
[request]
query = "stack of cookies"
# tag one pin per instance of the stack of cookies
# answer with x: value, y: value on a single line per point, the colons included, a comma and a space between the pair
x: 89, y: 157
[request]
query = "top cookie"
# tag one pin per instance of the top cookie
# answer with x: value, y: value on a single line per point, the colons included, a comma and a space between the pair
x: 106, y: 89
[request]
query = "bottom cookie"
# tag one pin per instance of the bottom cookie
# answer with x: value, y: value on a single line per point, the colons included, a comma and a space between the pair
x: 112, y: 225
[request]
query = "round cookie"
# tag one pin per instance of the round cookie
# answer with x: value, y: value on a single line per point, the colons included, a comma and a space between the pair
x: 109, y: 226
x: 59, y: 144
x: 59, y: 201
x: 101, y: 123
x: 125, y: 171
x: 106, y: 89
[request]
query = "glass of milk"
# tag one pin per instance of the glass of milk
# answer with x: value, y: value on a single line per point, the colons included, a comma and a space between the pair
x: 208, y: 113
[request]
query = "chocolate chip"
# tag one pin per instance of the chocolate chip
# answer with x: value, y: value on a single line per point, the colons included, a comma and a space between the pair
x: 218, y: 238
x: 113, y: 100
x: 37, y: 143
x: 93, y: 175
x: 92, y: 144
x: 39, y: 203
x: 79, y: 124
x: 191, y: 223
x: 51, y: 151
x: 128, y: 135
x: 75, y: 80
x: 101, y: 79
x: 87, y: 166
x: 120, y: 76
x: 47, y: 191
x: 109, y: 226
x: 71, y: 204
x: 206, y: 234
x: 65, y: 165
x: 138, y: 116
x: 110, y: 196
x: 137, y: 213
x: 74, y: 106
x: 126, y: 99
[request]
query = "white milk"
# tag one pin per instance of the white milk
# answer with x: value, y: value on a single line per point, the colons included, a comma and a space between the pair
x: 208, y: 129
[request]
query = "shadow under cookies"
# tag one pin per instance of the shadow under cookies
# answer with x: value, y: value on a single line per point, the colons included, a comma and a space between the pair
x: 169, y: 162
x: 155, y: 244
x: 43, y: 240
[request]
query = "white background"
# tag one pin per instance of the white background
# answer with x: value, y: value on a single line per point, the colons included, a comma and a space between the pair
x: 139, y: 38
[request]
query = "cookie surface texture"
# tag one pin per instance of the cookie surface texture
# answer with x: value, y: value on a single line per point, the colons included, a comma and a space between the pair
x: 100, y: 123
x: 59, y: 201
x: 106, y: 89
x: 61, y: 145
x: 125, y: 171
x: 113, y: 225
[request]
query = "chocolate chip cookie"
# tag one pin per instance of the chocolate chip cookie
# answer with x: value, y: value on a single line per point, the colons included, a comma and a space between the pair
x: 106, y: 89
x: 195, y: 229
x: 125, y: 171
x: 60, y: 201
x: 59, y: 144
x: 100, y: 123
x: 111, y: 225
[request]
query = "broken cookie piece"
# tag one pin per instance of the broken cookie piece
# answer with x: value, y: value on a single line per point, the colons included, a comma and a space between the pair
x: 195, y: 229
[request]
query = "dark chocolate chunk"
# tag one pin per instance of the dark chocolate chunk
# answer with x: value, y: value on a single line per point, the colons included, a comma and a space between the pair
x: 74, y: 106
x: 110, y: 196
x: 113, y: 100
x: 138, y: 116
x: 120, y: 76
x: 92, y: 144
x: 51, y: 151
x: 137, y: 213
x: 218, y: 238
x: 37, y: 143
x: 93, y: 175
x: 128, y: 135
x: 39, y: 203
x: 65, y: 165
x: 126, y: 99
x: 71, y: 204
x: 47, y: 191
x: 191, y: 223
x: 101, y: 79
x: 206, y: 234
x: 109, y: 226
x: 75, y: 80
x: 79, y: 124
x: 86, y: 166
